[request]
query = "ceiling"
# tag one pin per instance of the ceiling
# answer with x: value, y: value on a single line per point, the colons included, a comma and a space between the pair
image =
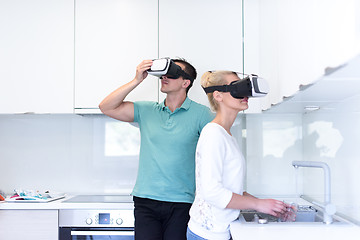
x: 330, y: 92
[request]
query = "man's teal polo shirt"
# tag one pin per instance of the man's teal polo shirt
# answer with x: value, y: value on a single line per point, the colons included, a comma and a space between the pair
x: 167, y: 151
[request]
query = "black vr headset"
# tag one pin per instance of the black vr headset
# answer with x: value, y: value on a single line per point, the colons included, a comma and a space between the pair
x: 250, y: 86
x: 167, y: 67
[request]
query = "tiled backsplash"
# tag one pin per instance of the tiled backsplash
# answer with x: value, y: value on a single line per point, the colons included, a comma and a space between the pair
x: 273, y: 141
x: 334, y: 137
x: 330, y: 134
x: 93, y: 154
x: 67, y: 153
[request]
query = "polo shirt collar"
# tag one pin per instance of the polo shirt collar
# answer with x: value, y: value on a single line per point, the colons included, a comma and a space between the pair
x: 185, y: 105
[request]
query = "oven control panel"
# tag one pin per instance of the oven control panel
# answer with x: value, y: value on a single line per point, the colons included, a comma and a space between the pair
x: 104, y: 219
x: 96, y: 218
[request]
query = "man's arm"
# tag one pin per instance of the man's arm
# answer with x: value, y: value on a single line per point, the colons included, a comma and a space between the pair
x: 114, y: 105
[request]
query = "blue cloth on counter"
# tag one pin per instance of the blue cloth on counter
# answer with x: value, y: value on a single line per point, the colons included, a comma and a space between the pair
x: 167, y: 152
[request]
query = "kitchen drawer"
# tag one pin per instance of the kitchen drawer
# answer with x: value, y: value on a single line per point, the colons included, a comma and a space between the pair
x: 29, y: 224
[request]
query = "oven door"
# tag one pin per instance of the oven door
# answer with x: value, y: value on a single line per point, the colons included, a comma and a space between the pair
x: 76, y: 233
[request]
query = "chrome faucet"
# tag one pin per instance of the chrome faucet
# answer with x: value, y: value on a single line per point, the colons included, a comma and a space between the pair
x: 328, y: 208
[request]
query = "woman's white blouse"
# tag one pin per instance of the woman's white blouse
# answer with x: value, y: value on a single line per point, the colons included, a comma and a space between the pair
x: 220, y: 171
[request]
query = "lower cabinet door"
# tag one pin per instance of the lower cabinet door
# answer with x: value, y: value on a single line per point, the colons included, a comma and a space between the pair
x: 29, y: 224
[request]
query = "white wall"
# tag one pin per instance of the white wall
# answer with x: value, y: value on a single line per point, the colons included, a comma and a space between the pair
x: 89, y: 154
x: 291, y: 43
x: 273, y: 141
x: 333, y: 136
x: 86, y: 154
x: 67, y: 153
x: 74, y: 154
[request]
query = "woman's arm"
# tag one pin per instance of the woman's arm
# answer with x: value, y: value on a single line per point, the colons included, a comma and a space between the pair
x: 248, y: 201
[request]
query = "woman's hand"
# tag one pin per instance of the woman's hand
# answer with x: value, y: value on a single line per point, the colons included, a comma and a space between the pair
x: 271, y: 206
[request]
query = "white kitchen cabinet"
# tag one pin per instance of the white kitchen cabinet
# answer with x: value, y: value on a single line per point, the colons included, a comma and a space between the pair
x: 29, y: 224
x: 111, y: 38
x: 36, y: 56
x: 206, y: 33
x: 298, y: 40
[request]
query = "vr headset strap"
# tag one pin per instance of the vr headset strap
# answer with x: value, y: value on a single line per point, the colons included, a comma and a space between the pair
x: 223, y: 88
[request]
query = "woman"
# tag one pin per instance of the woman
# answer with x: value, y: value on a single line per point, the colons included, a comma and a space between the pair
x: 220, y: 168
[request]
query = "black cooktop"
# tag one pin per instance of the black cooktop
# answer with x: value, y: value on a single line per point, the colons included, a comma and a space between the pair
x: 100, y: 199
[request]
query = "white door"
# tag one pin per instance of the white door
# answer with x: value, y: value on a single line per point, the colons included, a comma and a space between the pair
x: 111, y: 38
x: 36, y: 56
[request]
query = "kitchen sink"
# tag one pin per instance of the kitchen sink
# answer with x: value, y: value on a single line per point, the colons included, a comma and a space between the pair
x: 305, y: 214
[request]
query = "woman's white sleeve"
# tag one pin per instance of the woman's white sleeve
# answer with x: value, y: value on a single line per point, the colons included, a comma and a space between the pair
x: 210, y: 155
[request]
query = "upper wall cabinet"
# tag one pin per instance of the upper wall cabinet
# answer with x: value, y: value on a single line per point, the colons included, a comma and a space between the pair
x: 111, y: 38
x: 294, y: 41
x: 208, y: 34
x: 36, y: 56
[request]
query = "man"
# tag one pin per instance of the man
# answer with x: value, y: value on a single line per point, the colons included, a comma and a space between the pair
x: 165, y: 185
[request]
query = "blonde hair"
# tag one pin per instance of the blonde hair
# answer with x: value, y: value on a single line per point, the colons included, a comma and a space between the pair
x: 214, y: 78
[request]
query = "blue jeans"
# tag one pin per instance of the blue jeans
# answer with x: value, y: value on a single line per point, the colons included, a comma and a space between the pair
x: 192, y: 236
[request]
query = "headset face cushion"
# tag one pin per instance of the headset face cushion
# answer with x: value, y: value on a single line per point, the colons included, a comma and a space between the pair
x: 174, y: 71
x: 240, y: 88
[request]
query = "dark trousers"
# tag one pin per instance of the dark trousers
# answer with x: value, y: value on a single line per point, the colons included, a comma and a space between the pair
x: 158, y: 220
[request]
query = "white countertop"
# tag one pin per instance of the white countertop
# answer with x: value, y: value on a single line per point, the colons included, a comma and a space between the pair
x: 294, y: 231
x: 238, y: 230
x: 60, y: 204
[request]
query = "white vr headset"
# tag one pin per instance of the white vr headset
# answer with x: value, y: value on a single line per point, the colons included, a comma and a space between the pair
x: 167, y: 67
x: 250, y: 86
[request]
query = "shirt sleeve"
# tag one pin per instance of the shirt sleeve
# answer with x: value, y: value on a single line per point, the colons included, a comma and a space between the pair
x: 136, y: 112
x: 139, y: 108
x: 210, y: 154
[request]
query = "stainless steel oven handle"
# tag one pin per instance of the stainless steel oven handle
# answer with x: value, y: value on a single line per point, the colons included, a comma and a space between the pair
x: 102, y: 233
